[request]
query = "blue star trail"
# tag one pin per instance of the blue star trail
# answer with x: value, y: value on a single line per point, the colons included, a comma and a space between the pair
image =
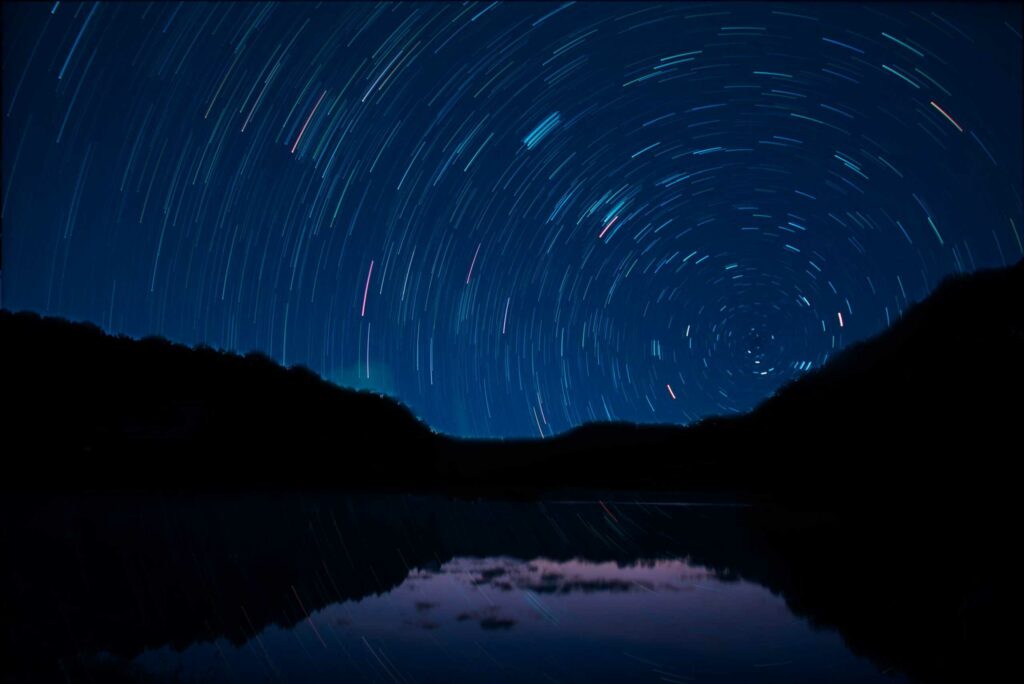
x: 514, y: 218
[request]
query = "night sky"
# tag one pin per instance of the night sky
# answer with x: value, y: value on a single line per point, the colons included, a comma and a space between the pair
x: 514, y: 218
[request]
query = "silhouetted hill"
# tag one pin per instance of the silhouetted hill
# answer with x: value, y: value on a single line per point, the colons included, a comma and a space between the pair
x: 930, y: 403
x: 108, y: 410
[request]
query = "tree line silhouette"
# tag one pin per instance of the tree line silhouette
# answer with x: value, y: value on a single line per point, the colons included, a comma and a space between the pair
x: 90, y: 409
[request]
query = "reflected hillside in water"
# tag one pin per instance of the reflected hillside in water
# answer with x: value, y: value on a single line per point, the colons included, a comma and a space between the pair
x: 502, y: 619
x: 154, y: 588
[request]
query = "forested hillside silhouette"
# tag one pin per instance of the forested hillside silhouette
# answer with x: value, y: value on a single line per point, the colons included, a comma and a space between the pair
x: 932, y: 401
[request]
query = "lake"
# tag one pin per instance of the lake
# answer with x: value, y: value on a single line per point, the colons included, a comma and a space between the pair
x: 326, y: 587
x: 501, y: 619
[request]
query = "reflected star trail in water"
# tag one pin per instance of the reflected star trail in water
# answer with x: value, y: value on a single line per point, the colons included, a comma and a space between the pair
x: 514, y: 218
x: 501, y: 619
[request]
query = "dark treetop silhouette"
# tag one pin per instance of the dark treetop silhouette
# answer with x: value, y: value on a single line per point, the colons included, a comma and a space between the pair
x: 89, y: 409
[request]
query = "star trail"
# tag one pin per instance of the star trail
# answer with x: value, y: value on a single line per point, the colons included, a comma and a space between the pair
x: 515, y: 218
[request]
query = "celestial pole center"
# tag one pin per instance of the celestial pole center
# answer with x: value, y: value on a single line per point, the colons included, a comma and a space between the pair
x: 515, y: 218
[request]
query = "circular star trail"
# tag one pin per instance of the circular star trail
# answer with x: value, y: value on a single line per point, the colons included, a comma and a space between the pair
x: 514, y: 218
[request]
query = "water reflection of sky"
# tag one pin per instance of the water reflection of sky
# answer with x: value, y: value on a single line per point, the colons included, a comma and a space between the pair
x: 506, y: 620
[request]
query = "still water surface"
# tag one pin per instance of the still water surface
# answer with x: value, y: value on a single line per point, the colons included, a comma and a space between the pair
x: 405, y: 589
x: 502, y: 619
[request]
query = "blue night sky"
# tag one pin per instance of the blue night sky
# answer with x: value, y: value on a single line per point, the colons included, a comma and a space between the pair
x: 514, y: 218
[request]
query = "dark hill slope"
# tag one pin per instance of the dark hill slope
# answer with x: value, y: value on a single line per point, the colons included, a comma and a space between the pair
x: 85, y: 407
x: 932, y: 402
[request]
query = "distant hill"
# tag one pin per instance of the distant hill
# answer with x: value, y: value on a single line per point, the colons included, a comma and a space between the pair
x: 934, y: 400
x: 929, y: 407
x: 113, y: 410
